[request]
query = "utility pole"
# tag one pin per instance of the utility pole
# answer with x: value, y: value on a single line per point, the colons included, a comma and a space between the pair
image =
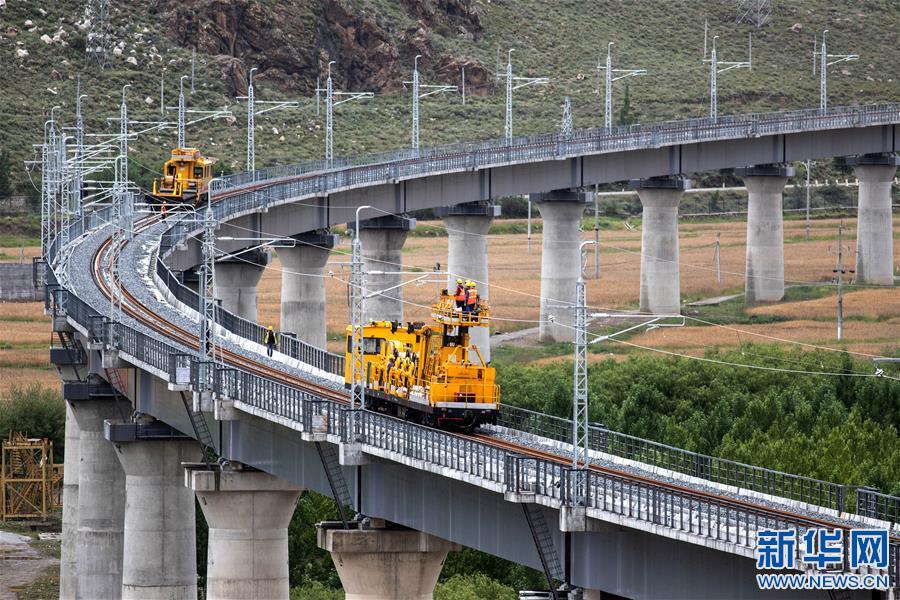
x: 823, y: 71
x: 206, y: 352
x: 252, y: 113
x: 839, y: 272
x: 463, y: 82
x: 357, y: 312
x: 329, y: 112
x: 596, y: 231
x: 807, y: 199
x: 610, y: 78
x: 718, y: 252
x: 416, y: 96
x: 511, y: 86
x: 162, y: 92
x: 181, y: 113
x: 580, y: 384
x: 714, y: 70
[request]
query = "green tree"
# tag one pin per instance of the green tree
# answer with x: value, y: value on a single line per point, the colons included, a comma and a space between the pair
x: 476, y: 586
x: 36, y: 411
x: 627, y: 116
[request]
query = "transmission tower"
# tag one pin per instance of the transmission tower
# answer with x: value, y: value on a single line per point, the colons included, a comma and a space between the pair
x: 755, y: 12
x: 98, y: 37
x: 580, y: 384
x: 357, y: 313
x: 566, y: 125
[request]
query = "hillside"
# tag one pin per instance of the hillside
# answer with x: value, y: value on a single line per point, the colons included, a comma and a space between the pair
x: 373, y: 43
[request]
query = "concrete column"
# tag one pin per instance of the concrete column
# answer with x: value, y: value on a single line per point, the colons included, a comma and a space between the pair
x: 68, y: 569
x: 159, y: 550
x: 467, y: 229
x: 375, y: 564
x: 101, y: 502
x: 764, y: 272
x: 236, y: 282
x: 874, y: 228
x: 248, y: 513
x: 382, y: 244
x: 660, y: 279
x: 561, y: 213
x: 303, y: 286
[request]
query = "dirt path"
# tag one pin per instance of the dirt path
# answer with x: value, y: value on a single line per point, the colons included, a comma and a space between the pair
x: 20, y: 564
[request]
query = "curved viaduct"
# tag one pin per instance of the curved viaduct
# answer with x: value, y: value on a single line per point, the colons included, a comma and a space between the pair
x: 648, y: 521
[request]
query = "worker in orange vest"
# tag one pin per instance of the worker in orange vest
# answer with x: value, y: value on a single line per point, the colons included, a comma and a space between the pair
x: 460, y: 294
x: 471, y: 296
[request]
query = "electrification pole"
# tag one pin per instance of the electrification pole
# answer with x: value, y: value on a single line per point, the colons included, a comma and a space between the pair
x: 193, y: 61
x: 580, y: 389
x: 718, y: 252
x: 162, y: 92
x: 329, y: 112
x: 181, y: 113
x: 357, y: 312
x: 78, y: 183
x: 823, y: 71
x: 416, y: 87
x: 510, y: 87
x: 714, y: 70
x: 807, y: 199
x: 610, y: 78
x: 251, y: 127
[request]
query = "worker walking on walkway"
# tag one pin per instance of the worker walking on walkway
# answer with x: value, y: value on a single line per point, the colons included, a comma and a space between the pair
x: 270, y: 341
x: 460, y: 294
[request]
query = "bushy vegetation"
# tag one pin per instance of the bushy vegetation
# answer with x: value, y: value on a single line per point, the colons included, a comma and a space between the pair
x: 838, y: 428
x: 36, y: 411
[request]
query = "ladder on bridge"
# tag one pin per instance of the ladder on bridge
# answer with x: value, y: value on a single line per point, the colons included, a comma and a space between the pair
x: 201, y: 429
x: 339, y: 490
x: 543, y: 541
x: 73, y: 349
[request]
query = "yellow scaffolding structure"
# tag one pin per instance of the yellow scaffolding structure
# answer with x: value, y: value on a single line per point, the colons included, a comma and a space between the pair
x: 30, y: 483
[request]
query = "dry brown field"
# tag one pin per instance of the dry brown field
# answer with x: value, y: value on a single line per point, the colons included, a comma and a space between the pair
x: 872, y: 316
x: 515, y: 280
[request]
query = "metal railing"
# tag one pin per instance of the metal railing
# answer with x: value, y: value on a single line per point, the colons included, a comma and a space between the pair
x: 709, y: 468
x: 872, y: 503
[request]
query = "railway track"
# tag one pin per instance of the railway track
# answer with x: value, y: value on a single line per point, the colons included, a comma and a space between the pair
x: 137, y: 310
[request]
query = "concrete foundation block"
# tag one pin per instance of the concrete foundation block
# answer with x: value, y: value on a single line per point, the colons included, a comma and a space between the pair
x: 352, y: 455
x: 224, y: 410
x: 383, y: 563
x: 248, y: 513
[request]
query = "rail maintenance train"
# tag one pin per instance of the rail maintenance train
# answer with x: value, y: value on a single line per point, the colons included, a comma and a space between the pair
x: 185, y: 180
x: 428, y: 373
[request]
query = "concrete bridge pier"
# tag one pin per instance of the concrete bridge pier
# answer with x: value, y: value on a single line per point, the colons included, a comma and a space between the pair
x: 467, y: 229
x: 303, y: 286
x: 68, y: 562
x: 101, y: 499
x: 764, y: 273
x: 660, y: 278
x: 561, y: 212
x: 382, y: 244
x: 159, y: 550
x: 874, y: 228
x: 236, y: 281
x: 248, y: 513
x: 379, y: 563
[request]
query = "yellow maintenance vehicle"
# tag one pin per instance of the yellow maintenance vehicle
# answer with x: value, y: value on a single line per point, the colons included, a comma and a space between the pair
x: 429, y: 373
x: 185, y: 179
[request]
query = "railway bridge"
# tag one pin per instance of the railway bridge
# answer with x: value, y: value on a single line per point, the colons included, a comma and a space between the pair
x: 641, y: 520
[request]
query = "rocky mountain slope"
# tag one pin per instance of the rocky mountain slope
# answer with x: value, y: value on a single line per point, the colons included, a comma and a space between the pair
x: 373, y: 43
